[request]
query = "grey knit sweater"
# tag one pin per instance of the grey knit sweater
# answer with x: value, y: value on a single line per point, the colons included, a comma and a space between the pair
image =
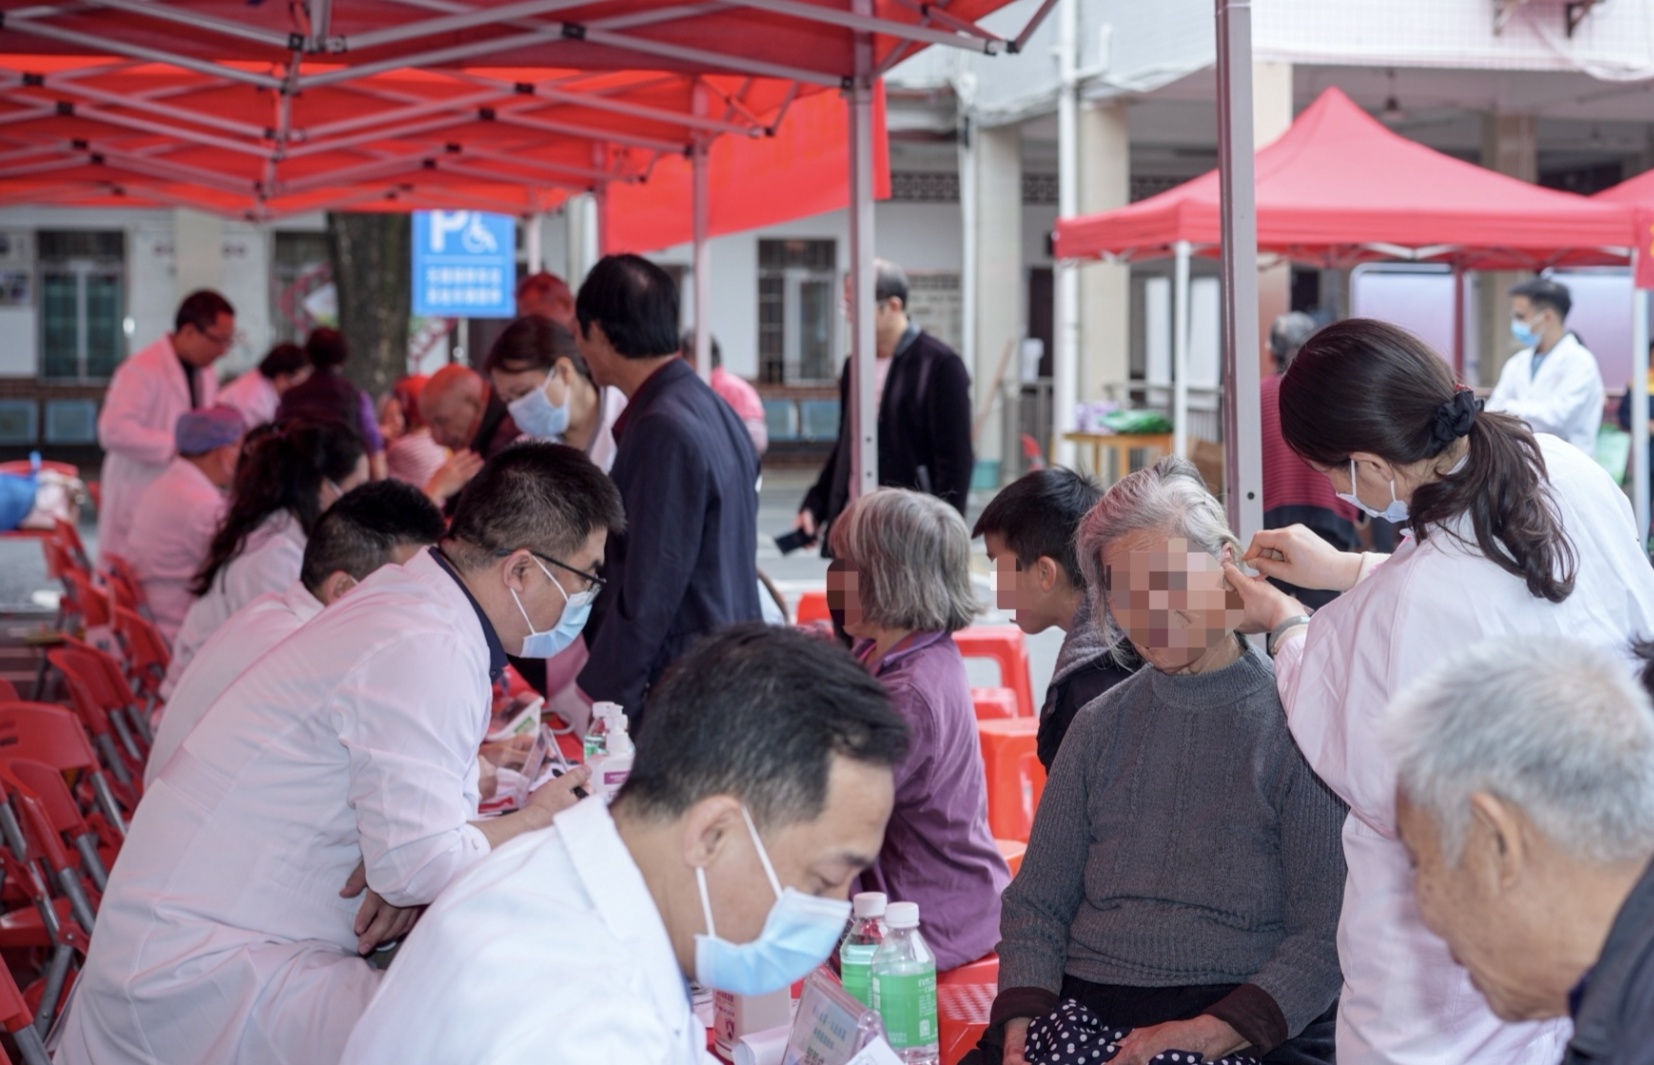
x: 1182, y: 840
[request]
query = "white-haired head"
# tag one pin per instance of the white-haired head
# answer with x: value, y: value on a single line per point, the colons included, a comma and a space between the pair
x: 1558, y: 729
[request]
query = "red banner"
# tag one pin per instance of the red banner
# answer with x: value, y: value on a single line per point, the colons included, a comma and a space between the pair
x: 1644, y: 276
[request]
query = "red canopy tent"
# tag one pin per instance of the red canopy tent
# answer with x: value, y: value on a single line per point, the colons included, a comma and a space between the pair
x: 1338, y: 188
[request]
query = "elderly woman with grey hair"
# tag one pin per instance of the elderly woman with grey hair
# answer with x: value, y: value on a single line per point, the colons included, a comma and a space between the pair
x: 1525, y: 798
x: 902, y: 577
x: 1183, y: 879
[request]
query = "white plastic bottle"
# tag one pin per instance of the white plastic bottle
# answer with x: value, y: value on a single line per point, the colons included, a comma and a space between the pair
x: 860, y: 943
x: 904, y: 987
x: 610, y: 768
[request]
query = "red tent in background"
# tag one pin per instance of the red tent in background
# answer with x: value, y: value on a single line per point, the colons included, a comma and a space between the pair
x: 1338, y: 188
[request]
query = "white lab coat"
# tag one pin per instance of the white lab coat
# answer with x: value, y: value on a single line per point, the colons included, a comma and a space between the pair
x: 241, y: 641
x: 1564, y: 398
x: 254, y: 396
x: 135, y: 428
x: 222, y: 939
x: 549, y: 952
x: 270, y: 562
x: 1405, y: 1000
x: 171, y: 532
x: 611, y: 405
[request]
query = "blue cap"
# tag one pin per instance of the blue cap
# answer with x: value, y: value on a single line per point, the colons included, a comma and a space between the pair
x: 200, y: 431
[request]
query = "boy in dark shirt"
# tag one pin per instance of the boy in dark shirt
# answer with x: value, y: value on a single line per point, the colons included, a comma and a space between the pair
x: 1029, y: 532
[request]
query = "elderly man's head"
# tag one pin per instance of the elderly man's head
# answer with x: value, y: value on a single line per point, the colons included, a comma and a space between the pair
x: 1153, y: 551
x: 1525, y: 795
x: 547, y: 295
x: 901, y: 564
x: 452, y: 404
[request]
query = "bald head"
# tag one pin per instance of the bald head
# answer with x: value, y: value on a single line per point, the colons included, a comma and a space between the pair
x: 452, y: 405
x: 547, y: 295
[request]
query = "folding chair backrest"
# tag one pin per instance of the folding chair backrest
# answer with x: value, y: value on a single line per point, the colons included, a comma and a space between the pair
x: 146, y: 650
x: 46, y: 783
x: 66, y: 534
x: 47, y: 734
x: 93, y: 605
x: 123, y: 581
x: 19, y: 1021
x: 8, y: 691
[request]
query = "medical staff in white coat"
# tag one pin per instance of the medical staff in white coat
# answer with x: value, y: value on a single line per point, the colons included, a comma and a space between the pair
x: 345, y: 756
x: 146, y: 395
x: 258, y: 391
x: 1509, y: 533
x: 289, y: 474
x: 379, y: 524
x: 537, y: 370
x: 1553, y: 383
x: 179, y: 511
x: 758, y: 793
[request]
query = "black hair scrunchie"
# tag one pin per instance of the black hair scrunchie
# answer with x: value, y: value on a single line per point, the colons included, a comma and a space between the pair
x: 1455, y: 418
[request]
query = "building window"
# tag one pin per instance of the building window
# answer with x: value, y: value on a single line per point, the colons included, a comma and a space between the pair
x: 798, y: 311
x: 300, y: 268
x: 82, y: 304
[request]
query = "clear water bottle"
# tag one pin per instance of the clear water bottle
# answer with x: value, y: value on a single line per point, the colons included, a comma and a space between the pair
x: 861, y: 942
x: 904, y: 987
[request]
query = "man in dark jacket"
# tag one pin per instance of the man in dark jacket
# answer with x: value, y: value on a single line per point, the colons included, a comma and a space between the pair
x: 1525, y: 796
x: 924, y: 413
x: 687, y: 563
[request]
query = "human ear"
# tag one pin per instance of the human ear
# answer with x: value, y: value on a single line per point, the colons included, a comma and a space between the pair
x: 337, y: 584
x: 707, y: 828
x: 1498, y: 829
x: 1048, y: 572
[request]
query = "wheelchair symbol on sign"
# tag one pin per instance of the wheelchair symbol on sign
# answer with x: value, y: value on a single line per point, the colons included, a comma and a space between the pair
x: 473, y: 235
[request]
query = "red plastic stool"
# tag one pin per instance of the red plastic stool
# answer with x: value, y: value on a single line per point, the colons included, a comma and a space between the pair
x: 1012, y: 851
x: 964, y: 1000
x: 993, y: 704
x: 812, y: 607
x: 1005, y: 645
x: 1010, y: 755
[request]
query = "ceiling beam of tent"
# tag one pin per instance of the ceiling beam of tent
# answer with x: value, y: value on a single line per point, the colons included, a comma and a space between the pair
x: 849, y: 20
x: 515, y: 118
x: 386, y: 167
x: 192, y: 18
x: 739, y: 64
x: 108, y: 45
x: 531, y: 163
x: 505, y: 179
x: 1021, y: 41
x: 487, y: 16
x: 140, y: 103
x: 162, y: 129
x: 467, y: 105
x: 621, y: 107
x: 931, y: 12
x: 170, y: 171
x: 44, y: 167
x: 434, y: 57
x: 412, y: 129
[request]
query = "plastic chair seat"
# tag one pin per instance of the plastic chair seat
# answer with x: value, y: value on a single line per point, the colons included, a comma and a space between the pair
x: 1010, y: 757
x: 1012, y: 851
x: 994, y: 703
x: 22, y: 929
x: 964, y: 1001
x: 1006, y: 646
x: 812, y: 607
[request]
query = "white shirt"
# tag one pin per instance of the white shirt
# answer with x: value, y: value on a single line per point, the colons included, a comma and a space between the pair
x: 241, y: 641
x: 171, y: 532
x: 270, y: 562
x: 1405, y: 1001
x: 135, y: 428
x: 222, y: 939
x: 254, y: 396
x: 611, y: 404
x: 549, y: 951
x: 1564, y: 398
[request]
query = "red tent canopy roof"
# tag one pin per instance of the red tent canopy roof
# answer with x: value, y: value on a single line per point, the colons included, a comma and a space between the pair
x: 1338, y: 188
x: 1633, y: 192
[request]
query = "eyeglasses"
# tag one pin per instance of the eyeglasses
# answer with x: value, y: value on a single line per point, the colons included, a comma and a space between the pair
x: 594, y: 583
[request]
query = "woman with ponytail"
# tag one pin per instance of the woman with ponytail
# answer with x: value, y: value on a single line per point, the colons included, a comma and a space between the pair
x: 1508, y: 533
x: 288, y: 475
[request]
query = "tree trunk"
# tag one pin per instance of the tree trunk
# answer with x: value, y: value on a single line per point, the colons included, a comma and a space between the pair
x: 372, y: 266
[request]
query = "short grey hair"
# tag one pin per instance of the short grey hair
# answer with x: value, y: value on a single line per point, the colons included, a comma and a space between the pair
x: 912, y: 555
x: 1169, y: 497
x: 1555, y: 727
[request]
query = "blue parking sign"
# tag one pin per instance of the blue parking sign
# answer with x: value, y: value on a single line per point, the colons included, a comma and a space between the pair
x: 464, y: 264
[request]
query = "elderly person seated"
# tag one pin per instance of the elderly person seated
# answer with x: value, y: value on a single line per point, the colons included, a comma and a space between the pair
x: 901, y: 575
x: 1184, y: 874
x: 1525, y: 797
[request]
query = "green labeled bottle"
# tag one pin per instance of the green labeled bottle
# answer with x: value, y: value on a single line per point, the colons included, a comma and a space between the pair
x: 861, y: 942
x: 904, y: 987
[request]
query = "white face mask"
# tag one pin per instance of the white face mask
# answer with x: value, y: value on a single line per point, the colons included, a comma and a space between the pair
x: 534, y: 414
x: 1395, y: 513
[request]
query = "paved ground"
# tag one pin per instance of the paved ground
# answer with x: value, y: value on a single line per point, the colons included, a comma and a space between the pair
x: 24, y: 586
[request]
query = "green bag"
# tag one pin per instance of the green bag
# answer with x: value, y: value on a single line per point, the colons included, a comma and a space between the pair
x: 1614, y: 451
x: 1137, y: 421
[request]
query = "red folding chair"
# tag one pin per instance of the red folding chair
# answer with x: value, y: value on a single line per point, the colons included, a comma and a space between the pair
x: 18, y: 1020
x: 100, y: 704
x: 147, y: 659
x: 123, y: 581
x: 56, y: 921
x: 45, y: 782
x: 53, y: 736
x: 68, y: 537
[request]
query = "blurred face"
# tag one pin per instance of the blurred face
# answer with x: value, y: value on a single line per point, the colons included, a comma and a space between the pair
x: 1026, y: 589
x: 594, y: 347
x: 555, y: 302
x: 453, y: 419
x: 203, y: 347
x: 1539, y: 319
x: 515, y: 385
x: 844, y: 596
x: 1170, y: 598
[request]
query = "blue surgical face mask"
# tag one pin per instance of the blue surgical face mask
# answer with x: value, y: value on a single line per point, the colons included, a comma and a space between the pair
x: 576, y: 608
x: 534, y: 414
x: 1395, y: 513
x: 799, y: 933
x: 1524, y: 333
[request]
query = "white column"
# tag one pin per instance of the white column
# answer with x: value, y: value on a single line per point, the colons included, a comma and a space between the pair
x: 703, y: 264
x: 531, y: 242
x: 863, y: 412
x: 1180, y: 352
x: 1000, y: 283
x: 198, y: 250
x: 1105, y: 288
x: 1639, y: 406
x: 1271, y: 116
x: 1510, y: 147
x: 1065, y: 363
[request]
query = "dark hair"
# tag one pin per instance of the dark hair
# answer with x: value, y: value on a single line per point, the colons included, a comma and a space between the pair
x: 280, y: 470
x: 533, y: 342
x: 202, y: 309
x: 284, y: 359
x: 360, y: 530
x: 1287, y: 334
x: 686, y: 347
x: 1362, y: 385
x: 1643, y: 651
x: 545, y: 497
x: 1543, y: 293
x: 326, y: 348
x: 758, y: 712
x: 635, y: 302
x: 889, y: 282
x: 1038, y: 514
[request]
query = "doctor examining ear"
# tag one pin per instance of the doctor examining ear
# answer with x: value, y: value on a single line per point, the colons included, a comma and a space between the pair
x: 1509, y: 532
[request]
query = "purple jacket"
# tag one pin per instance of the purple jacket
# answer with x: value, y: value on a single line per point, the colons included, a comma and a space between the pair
x: 938, y: 851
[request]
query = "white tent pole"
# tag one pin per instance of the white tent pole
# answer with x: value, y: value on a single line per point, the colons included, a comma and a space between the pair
x: 1243, y: 448
x: 1065, y: 386
x: 1639, y: 404
x: 531, y: 241
x: 1180, y: 352
x: 703, y: 265
x: 863, y: 415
